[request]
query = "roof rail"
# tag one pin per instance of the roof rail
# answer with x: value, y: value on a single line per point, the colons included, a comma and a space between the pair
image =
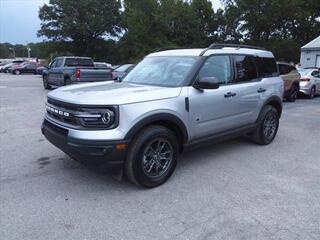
x: 167, y: 48
x: 223, y: 45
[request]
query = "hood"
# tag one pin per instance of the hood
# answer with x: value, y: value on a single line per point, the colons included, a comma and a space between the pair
x: 112, y: 93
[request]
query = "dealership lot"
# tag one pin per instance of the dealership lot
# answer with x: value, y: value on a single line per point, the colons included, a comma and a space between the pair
x: 232, y: 190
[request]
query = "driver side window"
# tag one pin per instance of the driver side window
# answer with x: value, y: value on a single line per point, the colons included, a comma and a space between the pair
x: 217, y: 66
x: 53, y: 64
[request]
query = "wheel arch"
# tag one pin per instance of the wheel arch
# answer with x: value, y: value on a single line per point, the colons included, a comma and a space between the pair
x: 172, y: 122
x: 276, y: 102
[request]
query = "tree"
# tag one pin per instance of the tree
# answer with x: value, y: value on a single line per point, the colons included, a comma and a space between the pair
x: 282, y: 26
x: 81, y: 22
x: 144, y: 30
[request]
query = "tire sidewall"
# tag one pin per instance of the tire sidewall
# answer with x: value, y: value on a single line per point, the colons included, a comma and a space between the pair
x: 266, y: 112
x: 137, y: 155
x: 312, y: 92
x: 293, y: 94
x: 45, y: 83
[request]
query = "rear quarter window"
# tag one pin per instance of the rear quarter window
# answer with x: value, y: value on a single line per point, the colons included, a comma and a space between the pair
x: 286, y: 69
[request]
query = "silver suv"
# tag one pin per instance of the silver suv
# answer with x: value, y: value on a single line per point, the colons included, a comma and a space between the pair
x: 170, y: 100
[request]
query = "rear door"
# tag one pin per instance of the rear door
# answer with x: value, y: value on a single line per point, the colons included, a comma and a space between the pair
x: 248, y: 85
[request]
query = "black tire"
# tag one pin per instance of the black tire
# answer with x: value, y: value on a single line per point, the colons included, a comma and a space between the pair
x: 16, y: 72
x: 67, y: 81
x: 293, y: 94
x: 45, y: 82
x: 312, y: 92
x: 142, y: 155
x: 268, y: 125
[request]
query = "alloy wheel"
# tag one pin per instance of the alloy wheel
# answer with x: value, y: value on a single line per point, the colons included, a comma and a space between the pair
x: 157, y: 157
x: 270, y: 125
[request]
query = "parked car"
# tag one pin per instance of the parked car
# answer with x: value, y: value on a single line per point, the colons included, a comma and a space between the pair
x: 2, y: 65
x: 7, y: 68
x: 171, y: 100
x: 26, y: 67
x: 120, y: 71
x: 69, y: 70
x: 310, y: 82
x: 102, y: 65
x: 291, y: 79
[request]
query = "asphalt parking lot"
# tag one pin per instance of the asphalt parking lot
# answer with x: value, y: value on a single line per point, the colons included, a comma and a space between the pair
x: 232, y: 190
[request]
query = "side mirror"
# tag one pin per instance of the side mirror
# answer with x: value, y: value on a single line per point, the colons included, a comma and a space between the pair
x: 207, y: 83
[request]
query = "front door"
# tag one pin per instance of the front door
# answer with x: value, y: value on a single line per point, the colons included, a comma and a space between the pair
x: 233, y: 104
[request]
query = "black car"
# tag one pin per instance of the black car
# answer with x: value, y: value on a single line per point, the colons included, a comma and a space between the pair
x: 27, y: 67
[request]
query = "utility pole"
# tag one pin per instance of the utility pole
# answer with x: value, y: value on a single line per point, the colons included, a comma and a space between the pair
x: 29, y: 50
x: 14, y: 52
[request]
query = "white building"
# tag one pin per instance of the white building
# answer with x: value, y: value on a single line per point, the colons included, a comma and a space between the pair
x: 310, y: 54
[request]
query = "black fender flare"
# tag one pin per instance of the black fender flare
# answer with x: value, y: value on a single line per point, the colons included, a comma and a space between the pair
x: 167, y: 119
x: 274, y: 101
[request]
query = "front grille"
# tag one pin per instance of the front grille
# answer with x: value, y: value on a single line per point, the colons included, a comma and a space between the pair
x: 55, y: 128
x: 80, y: 117
x: 62, y: 112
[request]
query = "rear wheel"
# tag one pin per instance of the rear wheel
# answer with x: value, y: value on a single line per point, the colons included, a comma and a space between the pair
x: 67, y: 81
x: 268, y: 125
x: 293, y: 95
x: 17, y: 72
x: 152, y: 156
x: 312, y: 92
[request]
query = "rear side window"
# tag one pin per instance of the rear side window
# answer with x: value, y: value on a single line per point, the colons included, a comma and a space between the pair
x: 316, y: 74
x: 286, y: 69
x: 267, y: 67
x: 245, y: 68
x: 72, y: 62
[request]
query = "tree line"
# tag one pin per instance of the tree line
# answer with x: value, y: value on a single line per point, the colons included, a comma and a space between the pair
x: 124, y: 31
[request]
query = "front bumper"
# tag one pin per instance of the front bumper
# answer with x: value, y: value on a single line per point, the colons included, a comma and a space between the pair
x: 97, y: 154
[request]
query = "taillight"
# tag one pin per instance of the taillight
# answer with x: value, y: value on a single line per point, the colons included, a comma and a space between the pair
x: 305, y: 79
x: 77, y: 73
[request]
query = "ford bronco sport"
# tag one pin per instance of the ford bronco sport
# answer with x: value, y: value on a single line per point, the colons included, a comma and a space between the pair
x: 170, y: 100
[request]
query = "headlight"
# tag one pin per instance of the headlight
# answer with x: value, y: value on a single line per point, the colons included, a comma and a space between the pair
x: 102, y: 118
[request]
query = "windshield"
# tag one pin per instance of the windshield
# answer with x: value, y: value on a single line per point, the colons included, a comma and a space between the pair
x: 162, y: 71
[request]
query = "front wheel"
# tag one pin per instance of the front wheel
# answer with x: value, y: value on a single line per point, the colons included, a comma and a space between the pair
x: 152, y: 156
x: 17, y: 72
x: 45, y: 83
x: 268, y: 125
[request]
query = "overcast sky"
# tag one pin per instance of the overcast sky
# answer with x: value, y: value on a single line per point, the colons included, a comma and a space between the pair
x: 19, y: 20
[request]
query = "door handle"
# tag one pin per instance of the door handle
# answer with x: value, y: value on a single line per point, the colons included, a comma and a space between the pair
x: 261, y: 90
x: 230, y: 94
